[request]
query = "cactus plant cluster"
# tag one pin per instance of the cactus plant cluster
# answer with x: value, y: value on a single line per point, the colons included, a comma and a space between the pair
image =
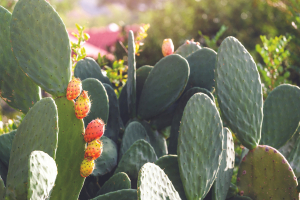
x: 43, y: 157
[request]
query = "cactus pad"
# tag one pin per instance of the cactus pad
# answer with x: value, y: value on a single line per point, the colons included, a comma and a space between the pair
x: 239, y: 91
x: 153, y: 183
x: 118, y: 181
x: 133, y: 132
x: 202, y: 66
x: 173, y: 140
x: 89, y: 68
x: 141, y: 76
x: 70, y: 152
x: 169, y: 164
x: 200, y: 145
x: 131, y: 80
x: 294, y: 158
x: 98, y: 98
x: 41, y: 44
x: 222, y: 182
x: 42, y: 174
x: 38, y: 131
x: 163, y: 86
x: 135, y: 157
x: 281, y: 115
x: 17, y: 90
x: 187, y: 48
x: 3, y: 172
x: 5, y: 143
x: 123, y: 105
x: 256, y: 177
x: 108, y: 159
x: 125, y: 194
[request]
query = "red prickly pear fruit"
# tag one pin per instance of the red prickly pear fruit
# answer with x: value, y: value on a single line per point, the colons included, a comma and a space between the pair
x: 94, y: 130
x: 82, y: 105
x: 74, y: 89
x: 93, y: 150
x: 167, y: 47
x: 87, y: 166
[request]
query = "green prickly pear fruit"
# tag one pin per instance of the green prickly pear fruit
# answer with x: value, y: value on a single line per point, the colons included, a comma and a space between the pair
x: 74, y: 89
x: 87, y: 166
x: 167, y: 47
x: 93, y: 150
x: 82, y: 105
x: 94, y: 130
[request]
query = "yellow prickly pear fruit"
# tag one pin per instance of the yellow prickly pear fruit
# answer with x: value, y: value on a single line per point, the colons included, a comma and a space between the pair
x: 74, y: 89
x: 82, y: 105
x: 93, y: 150
x: 167, y: 47
x: 87, y: 167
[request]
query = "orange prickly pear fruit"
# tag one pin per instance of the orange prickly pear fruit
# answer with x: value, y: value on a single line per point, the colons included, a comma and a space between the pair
x: 93, y: 150
x: 74, y: 89
x: 167, y: 47
x: 82, y: 105
x: 87, y: 166
x: 94, y: 130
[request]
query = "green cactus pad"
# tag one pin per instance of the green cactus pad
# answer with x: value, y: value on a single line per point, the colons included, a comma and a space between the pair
x: 222, y: 182
x: 169, y: 164
x: 257, y: 180
x: 3, y: 171
x: 113, y: 123
x: 5, y: 144
x: 202, y: 66
x: 17, y: 90
x: 286, y: 149
x: 200, y: 145
x: 2, y: 189
x: 163, y: 86
x: 232, y: 191
x: 294, y: 158
x: 187, y: 48
x: 41, y: 44
x: 89, y: 68
x: 153, y: 183
x: 41, y: 175
x: 118, y: 181
x: 281, y: 115
x: 131, y: 80
x: 108, y: 159
x: 173, y: 140
x: 123, y: 105
x: 133, y: 132
x: 70, y: 152
x: 239, y: 91
x: 38, y: 131
x: 125, y: 194
x: 141, y: 76
x: 98, y: 98
x: 157, y: 141
x: 164, y: 119
x: 135, y: 157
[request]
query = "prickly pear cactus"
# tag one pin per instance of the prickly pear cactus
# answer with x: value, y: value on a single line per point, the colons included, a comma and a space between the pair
x: 188, y: 48
x: 264, y: 169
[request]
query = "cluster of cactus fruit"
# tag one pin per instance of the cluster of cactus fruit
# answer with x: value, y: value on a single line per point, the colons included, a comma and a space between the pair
x: 164, y: 138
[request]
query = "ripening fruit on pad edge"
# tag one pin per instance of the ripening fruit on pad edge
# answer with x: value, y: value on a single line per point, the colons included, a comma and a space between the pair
x: 74, y: 89
x: 82, y: 105
x: 93, y: 150
x: 87, y: 167
x: 94, y: 130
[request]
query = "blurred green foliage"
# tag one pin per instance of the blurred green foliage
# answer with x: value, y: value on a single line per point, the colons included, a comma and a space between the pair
x: 212, y: 43
x: 275, y: 70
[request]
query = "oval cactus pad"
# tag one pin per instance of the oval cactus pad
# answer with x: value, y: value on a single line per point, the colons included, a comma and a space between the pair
x: 265, y: 174
x: 200, y: 145
x: 41, y: 44
x: 239, y: 91
x: 163, y: 86
x: 153, y: 183
x: 281, y: 115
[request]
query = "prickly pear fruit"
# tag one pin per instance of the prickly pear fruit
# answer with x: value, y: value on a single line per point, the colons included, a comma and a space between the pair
x: 87, y: 167
x: 93, y: 150
x: 82, y: 105
x: 94, y: 130
x: 74, y: 89
x: 167, y: 47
